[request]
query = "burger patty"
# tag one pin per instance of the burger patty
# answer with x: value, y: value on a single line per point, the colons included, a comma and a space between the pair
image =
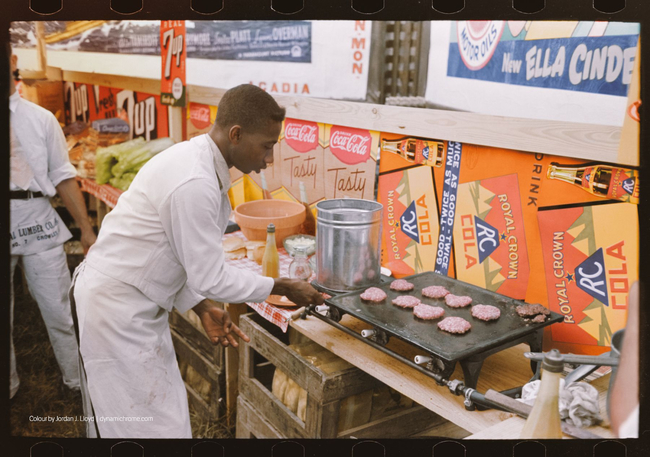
x: 532, y: 309
x: 455, y: 301
x: 539, y: 318
x: 428, y: 312
x: 373, y: 294
x: 401, y: 285
x: 406, y: 301
x: 486, y: 312
x: 454, y: 324
x: 435, y: 292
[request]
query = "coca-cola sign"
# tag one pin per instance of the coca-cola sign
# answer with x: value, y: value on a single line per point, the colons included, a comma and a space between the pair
x: 200, y: 115
x: 350, y: 146
x: 302, y: 136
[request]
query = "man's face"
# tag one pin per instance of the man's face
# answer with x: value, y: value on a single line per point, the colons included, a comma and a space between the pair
x: 253, y: 151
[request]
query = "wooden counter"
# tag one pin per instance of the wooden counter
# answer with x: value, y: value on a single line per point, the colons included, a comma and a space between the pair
x: 504, y: 370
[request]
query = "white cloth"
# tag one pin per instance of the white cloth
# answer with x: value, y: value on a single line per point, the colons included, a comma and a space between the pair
x: 159, y: 248
x: 43, y: 145
x: 630, y: 426
x: 578, y: 402
x: 164, y: 235
x: 48, y: 279
x: 21, y: 173
x: 135, y: 386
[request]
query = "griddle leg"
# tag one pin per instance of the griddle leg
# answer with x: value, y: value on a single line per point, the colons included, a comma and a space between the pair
x: 536, y: 342
x: 471, y: 370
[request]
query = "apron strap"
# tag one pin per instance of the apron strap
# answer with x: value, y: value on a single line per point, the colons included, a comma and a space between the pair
x: 75, y: 321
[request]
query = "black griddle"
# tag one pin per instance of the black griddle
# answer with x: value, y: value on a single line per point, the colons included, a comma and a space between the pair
x: 444, y: 349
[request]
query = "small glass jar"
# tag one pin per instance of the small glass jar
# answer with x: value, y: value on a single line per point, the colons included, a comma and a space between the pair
x: 299, y: 267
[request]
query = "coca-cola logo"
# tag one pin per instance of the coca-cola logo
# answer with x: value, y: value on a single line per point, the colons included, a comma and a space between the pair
x: 633, y: 110
x: 350, y: 146
x: 302, y: 136
x: 200, y: 115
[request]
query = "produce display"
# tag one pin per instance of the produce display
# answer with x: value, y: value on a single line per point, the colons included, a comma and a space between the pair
x: 119, y: 164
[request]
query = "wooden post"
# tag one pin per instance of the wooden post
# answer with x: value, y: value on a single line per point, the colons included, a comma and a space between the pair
x: 41, y: 52
x: 176, y: 123
x: 232, y: 365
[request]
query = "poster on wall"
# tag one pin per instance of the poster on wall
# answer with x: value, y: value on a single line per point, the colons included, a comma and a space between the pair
x: 145, y: 114
x: 281, y: 57
x: 482, y: 215
x: 576, y: 71
x: 173, y: 41
x: 591, y: 261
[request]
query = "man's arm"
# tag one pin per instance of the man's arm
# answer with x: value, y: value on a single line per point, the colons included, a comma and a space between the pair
x: 69, y: 191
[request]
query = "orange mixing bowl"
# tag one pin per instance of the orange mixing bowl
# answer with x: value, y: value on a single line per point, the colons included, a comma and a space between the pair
x: 253, y: 218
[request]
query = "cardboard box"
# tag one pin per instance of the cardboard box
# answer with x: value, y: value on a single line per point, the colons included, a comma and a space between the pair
x: 48, y: 94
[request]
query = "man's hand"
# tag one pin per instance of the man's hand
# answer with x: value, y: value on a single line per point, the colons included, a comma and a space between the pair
x: 70, y: 194
x: 217, y: 324
x: 88, y: 238
x: 299, y: 292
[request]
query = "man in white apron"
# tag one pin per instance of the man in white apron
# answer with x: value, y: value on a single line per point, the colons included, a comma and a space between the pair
x: 40, y: 168
x: 160, y: 248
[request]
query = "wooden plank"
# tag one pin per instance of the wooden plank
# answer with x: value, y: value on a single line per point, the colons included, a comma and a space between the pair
x: 345, y: 383
x: 102, y: 211
x: 232, y: 364
x: 446, y: 429
x: 291, y: 363
x: 193, y: 357
x: 283, y: 418
x: 148, y: 86
x: 501, y: 371
x: 41, y: 51
x: 251, y: 425
x: 403, y: 424
x: 584, y: 141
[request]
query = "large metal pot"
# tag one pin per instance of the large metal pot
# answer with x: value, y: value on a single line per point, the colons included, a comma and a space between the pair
x: 348, y: 243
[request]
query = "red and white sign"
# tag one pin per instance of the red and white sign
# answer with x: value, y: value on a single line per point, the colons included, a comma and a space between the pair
x: 477, y: 41
x: 351, y: 146
x: 302, y: 136
x: 172, y: 47
x: 200, y: 115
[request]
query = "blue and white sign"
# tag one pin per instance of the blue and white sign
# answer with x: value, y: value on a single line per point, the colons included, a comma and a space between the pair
x: 601, y: 65
x: 448, y: 207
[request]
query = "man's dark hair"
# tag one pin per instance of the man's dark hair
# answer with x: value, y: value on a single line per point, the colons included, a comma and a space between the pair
x: 249, y: 107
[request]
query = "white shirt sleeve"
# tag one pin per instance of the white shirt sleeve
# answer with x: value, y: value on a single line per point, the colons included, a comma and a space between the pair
x: 59, y: 166
x: 190, y: 218
x: 186, y: 299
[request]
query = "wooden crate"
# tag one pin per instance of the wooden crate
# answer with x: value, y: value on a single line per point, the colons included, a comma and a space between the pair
x: 205, y: 382
x: 268, y: 350
x: 188, y: 326
x: 250, y: 424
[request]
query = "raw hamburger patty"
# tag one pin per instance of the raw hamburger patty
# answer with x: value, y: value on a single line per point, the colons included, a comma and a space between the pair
x: 539, y: 318
x: 434, y: 292
x: 401, y: 285
x: 532, y: 309
x: 454, y: 324
x: 455, y: 301
x: 486, y: 312
x: 428, y: 312
x: 406, y: 301
x: 374, y: 294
